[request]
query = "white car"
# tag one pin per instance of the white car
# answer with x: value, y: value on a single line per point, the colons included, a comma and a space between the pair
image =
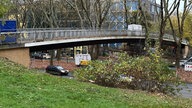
x: 45, y: 56
x: 185, y: 61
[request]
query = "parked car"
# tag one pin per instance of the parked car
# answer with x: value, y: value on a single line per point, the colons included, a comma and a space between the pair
x: 40, y: 56
x: 185, y: 61
x: 56, y: 70
x: 36, y: 56
x: 45, y: 56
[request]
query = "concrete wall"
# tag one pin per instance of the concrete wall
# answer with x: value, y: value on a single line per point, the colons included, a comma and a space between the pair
x: 17, y: 55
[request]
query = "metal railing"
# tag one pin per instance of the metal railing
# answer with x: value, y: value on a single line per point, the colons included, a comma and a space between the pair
x: 36, y: 35
x: 47, y: 34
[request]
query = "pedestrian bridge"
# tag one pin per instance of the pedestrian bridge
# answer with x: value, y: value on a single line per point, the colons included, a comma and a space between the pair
x: 39, y: 39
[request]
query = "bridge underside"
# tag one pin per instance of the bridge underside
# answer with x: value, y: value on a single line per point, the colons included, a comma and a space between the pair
x: 21, y: 54
x: 93, y: 42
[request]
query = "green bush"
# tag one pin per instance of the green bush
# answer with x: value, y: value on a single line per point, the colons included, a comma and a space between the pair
x: 149, y: 73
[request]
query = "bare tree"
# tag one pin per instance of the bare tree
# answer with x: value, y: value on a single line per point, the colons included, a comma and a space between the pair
x: 96, y: 15
x: 126, y: 12
x: 143, y: 12
x: 92, y: 14
x: 95, y: 11
x: 4, y: 7
x: 75, y: 5
x: 166, y: 10
x: 178, y: 37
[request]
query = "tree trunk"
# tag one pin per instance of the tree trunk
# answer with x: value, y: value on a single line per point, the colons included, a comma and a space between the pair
x: 178, y: 54
x: 94, y: 51
x: 143, y: 12
x: 126, y: 13
x: 58, y: 54
x: 162, y: 32
x: 52, y: 54
x: 162, y: 25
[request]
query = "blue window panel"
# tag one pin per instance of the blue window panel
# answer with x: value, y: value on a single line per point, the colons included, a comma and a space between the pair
x: 134, y: 6
x: 113, y: 8
x: 120, y: 26
x: 120, y: 18
x: 129, y: 4
x: 120, y: 6
x: 114, y: 28
x: 112, y: 18
x: 112, y: 45
x: 118, y: 44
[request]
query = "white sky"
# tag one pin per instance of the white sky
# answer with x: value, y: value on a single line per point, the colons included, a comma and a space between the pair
x: 171, y: 1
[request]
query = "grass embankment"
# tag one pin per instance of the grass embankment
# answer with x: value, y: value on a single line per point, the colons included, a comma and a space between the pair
x: 23, y: 88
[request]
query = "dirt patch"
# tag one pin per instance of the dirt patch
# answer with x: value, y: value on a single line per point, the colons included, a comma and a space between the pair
x: 185, y: 76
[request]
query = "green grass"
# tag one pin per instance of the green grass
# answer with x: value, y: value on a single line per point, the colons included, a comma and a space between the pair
x: 23, y: 88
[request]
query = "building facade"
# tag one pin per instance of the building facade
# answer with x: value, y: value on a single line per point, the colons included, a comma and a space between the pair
x: 117, y: 15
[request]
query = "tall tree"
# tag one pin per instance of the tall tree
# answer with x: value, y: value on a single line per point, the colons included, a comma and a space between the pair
x: 167, y: 8
x: 95, y: 11
x: 75, y: 5
x: 144, y: 16
x: 4, y: 7
x: 92, y: 14
x: 187, y: 28
x: 126, y: 13
x: 181, y: 17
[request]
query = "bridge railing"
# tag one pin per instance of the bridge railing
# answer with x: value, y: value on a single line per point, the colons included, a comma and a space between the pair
x: 49, y: 34
x: 38, y: 35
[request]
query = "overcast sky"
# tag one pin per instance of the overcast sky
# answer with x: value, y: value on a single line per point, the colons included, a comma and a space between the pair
x: 171, y: 1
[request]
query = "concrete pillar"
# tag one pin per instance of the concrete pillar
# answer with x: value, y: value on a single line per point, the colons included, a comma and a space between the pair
x: 17, y: 55
x: 186, y: 51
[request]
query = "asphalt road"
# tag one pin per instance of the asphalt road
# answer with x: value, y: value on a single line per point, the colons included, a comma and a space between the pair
x: 186, y: 91
x: 70, y: 76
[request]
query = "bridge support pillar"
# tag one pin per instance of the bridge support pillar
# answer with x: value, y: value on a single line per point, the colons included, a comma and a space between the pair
x: 17, y: 55
x: 186, y: 51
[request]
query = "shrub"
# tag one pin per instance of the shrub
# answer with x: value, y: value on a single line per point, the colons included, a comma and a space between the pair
x: 149, y: 73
